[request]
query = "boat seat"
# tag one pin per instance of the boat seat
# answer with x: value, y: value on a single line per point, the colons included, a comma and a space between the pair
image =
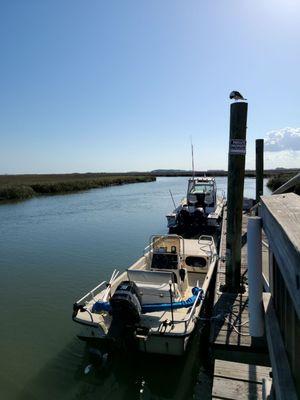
x: 154, y: 286
x: 154, y: 277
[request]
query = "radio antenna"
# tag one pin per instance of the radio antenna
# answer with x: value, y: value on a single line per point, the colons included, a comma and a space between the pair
x: 193, y: 165
x: 172, y: 198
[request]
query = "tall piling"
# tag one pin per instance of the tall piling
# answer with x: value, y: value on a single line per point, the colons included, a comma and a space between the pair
x: 259, y: 164
x: 235, y: 189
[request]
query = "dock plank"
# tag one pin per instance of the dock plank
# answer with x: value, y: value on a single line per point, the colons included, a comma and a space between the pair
x: 236, y: 381
x: 230, y: 322
x: 244, y: 372
x: 225, y: 389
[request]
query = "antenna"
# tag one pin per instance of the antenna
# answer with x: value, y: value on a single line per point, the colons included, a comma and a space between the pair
x: 193, y: 166
x: 172, y: 198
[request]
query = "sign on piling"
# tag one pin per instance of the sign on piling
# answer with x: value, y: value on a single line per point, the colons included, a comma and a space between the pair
x: 235, y: 189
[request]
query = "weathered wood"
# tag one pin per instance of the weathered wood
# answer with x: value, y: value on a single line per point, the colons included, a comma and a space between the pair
x: 282, y: 377
x: 235, y: 188
x: 259, y: 161
x: 281, y: 223
x: 243, y: 372
x: 228, y: 343
x: 230, y: 307
x: 234, y: 380
x: 296, y: 349
x: 236, y: 390
x: 232, y: 341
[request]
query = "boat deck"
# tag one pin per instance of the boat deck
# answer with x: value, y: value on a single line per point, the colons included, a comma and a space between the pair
x: 154, y: 320
x: 193, y: 247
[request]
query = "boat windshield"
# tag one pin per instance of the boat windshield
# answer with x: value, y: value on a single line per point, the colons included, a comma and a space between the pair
x: 201, y: 188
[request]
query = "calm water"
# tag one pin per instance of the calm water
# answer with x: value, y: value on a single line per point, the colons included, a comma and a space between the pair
x: 52, y: 250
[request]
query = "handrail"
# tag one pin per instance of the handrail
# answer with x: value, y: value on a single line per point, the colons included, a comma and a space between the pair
x: 150, y: 245
x: 91, y: 292
x: 158, y: 237
x: 287, y: 185
x: 187, y: 322
x: 210, y: 244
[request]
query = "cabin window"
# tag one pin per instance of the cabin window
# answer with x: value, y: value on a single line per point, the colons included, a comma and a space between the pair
x: 202, y: 188
x: 197, y: 262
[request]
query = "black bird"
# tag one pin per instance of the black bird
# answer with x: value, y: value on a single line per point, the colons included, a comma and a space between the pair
x: 236, y: 95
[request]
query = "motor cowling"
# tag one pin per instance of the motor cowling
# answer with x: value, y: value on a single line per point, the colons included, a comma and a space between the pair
x: 199, y: 216
x: 126, y: 303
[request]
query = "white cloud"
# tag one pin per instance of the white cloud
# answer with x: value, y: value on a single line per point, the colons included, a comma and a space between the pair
x: 282, y: 159
x: 286, y: 139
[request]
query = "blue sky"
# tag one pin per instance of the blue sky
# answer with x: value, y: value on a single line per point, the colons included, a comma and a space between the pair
x: 122, y: 85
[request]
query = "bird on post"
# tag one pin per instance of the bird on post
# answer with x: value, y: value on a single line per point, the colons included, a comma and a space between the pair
x: 234, y: 95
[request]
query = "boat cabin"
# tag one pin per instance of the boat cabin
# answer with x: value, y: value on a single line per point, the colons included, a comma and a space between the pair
x: 202, y: 193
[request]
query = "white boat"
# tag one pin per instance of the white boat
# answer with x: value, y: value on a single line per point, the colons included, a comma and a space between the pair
x: 201, y: 207
x: 154, y: 304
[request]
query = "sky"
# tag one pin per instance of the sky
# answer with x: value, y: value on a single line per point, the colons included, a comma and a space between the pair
x: 122, y: 85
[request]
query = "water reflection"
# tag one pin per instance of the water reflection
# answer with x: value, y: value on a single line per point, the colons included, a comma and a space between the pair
x: 54, y: 249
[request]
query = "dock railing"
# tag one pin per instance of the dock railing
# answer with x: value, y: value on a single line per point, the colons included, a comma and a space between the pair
x: 281, y: 223
x: 288, y: 185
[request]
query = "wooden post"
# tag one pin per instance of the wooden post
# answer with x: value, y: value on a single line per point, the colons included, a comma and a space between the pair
x: 235, y: 189
x: 259, y: 168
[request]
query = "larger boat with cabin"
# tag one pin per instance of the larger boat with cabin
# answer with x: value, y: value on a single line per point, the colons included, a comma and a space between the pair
x: 154, y: 305
x: 201, y: 208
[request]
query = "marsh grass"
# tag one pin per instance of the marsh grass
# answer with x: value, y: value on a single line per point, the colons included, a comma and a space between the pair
x: 278, y: 180
x: 20, y: 187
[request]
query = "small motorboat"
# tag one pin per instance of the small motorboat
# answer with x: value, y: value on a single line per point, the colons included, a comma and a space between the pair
x: 154, y: 304
x: 201, y: 208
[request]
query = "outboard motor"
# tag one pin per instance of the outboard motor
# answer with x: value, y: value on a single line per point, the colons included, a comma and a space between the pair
x: 126, y: 311
x: 126, y: 303
x: 199, y: 218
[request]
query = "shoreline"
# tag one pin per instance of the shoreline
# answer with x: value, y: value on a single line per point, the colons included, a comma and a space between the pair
x: 18, y: 188
x: 15, y: 188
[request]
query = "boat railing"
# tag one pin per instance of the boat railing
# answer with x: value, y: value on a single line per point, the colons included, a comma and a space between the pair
x: 147, y: 249
x: 108, y: 285
x: 91, y: 292
x: 156, y: 238
x: 209, y: 242
x: 193, y: 310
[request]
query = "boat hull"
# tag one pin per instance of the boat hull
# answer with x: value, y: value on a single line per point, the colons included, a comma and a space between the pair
x: 164, y: 344
x: 139, y: 287
x: 174, y: 345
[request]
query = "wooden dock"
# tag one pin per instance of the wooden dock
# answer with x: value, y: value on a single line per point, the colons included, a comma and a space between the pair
x: 236, y: 381
x: 243, y: 363
x: 230, y: 319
